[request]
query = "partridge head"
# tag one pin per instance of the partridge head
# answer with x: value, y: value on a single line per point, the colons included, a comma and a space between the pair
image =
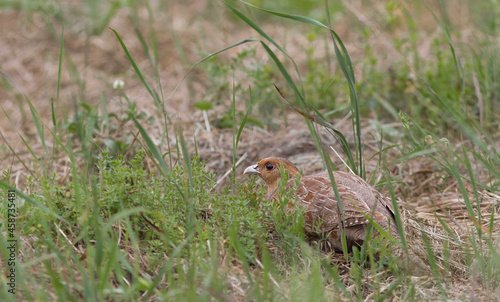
x: 269, y: 170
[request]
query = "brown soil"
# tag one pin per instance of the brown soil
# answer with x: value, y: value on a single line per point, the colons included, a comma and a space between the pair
x: 29, y: 56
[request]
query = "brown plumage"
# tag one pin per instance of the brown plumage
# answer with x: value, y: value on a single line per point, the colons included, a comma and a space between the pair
x: 317, y: 196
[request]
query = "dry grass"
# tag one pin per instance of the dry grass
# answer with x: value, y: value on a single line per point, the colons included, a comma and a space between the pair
x: 31, y: 61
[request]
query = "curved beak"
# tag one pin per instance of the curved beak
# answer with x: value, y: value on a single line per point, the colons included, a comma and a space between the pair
x: 252, y: 170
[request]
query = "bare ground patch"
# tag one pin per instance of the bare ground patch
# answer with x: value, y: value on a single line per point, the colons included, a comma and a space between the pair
x: 30, y: 58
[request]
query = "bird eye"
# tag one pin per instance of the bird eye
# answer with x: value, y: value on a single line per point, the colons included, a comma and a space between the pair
x: 269, y: 166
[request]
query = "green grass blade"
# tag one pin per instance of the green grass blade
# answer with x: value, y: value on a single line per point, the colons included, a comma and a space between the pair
x: 433, y: 264
x: 342, y: 58
x: 32, y: 201
x: 458, y: 177
x: 259, y: 29
x: 151, y: 91
x: 14, y: 151
x: 397, y: 214
x: 346, y: 65
x: 244, y: 121
x: 446, y: 30
x: 121, y: 215
x: 59, y: 71
x: 332, y: 272
x: 473, y: 182
x: 36, y: 119
x: 187, y: 158
x: 448, y: 230
x: 233, y: 117
x: 391, y: 288
x: 320, y: 120
x: 206, y: 58
x: 151, y: 146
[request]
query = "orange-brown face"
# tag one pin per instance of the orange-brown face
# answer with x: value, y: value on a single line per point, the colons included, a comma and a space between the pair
x: 269, y: 170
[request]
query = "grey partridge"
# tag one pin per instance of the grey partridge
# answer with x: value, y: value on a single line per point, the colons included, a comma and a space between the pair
x: 321, y: 211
